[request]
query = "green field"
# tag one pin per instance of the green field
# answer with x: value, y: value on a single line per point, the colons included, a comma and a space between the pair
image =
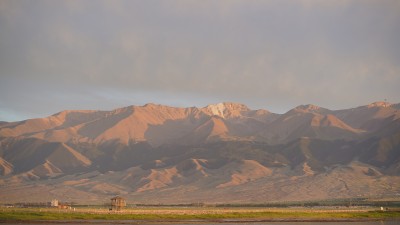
x: 206, y: 214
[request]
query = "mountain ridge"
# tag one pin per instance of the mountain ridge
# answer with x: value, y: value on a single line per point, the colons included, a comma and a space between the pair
x: 132, y: 122
x: 221, y: 151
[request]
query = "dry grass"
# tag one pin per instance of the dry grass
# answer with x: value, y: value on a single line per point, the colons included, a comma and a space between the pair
x: 168, y: 214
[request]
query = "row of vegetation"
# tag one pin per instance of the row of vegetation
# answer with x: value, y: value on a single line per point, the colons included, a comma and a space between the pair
x: 348, y: 202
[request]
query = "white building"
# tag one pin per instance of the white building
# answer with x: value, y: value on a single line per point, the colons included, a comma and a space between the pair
x: 54, y: 203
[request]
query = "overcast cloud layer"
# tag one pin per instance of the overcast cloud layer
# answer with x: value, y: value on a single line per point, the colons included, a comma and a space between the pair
x: 57, y: 55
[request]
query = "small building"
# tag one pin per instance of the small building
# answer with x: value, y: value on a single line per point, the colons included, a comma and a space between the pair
x: 117, y: 203
x: 54, y: 203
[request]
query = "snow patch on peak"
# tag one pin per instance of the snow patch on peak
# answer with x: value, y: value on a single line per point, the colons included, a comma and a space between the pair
x: 217, y: 109
x: 226, y: 109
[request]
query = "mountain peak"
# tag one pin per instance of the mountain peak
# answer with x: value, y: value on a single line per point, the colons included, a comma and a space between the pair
x: 65, y: 112
x: 226, y: 109
x: 308, y: 108
x: 151, y: 105
x: 379, y: 104
x: 216, y: 109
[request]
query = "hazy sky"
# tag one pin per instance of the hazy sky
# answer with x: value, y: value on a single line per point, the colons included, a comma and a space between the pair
x: 57, y: 55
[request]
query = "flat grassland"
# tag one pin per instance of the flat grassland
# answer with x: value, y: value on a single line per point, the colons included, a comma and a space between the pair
x: 198, y: 214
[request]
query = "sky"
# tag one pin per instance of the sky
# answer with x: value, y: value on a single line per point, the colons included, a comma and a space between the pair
x: 274, y: 55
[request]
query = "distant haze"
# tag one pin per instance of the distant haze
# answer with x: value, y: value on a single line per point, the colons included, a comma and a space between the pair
x: 57, y: 55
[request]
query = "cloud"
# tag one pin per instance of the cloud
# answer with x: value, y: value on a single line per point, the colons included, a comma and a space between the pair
x: 267, y: 54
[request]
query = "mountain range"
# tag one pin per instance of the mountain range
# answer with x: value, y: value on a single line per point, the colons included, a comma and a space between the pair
x: 221, y: 153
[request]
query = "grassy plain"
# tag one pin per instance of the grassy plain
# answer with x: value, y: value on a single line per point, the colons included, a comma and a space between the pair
x: 202, y: 214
